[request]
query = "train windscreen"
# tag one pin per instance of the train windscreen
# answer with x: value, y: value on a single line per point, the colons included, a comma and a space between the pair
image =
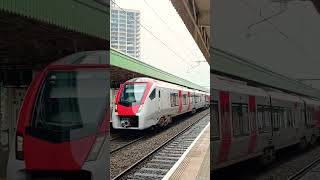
x: 70, y: 105
x: 132, y: 94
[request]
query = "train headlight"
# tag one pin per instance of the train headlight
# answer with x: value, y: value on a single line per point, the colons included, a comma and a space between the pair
x: 96, y: 148
x: 19, y: 147
x: 116, y: 108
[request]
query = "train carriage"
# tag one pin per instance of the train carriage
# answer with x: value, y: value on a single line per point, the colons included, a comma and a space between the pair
x: 256, y: 122
x: 287, y: 118
x: 144, y: 102
x: 237, y: 136
x: 63, y: 123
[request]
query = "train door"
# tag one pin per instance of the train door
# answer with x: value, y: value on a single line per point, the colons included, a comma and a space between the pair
x: 159, y: 93
x: 295, y: 114
x: 240, y: 126
x: 252, y: 145
x: 288, y: 130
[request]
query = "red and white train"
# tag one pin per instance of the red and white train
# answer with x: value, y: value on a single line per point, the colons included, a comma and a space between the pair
x: 144, y: 102
x: 252, y: 122
x: 63, y: 123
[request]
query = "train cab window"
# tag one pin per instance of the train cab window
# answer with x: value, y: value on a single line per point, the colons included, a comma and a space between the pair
x: 66, y: 108
x: 132, y: 94
x: 215, y: 120
x: 152, y: 94
x: 240, y: 119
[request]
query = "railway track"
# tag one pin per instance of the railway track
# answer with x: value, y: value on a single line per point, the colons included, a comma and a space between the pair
x: 303, y: 172
x: 118, y: 145
x: 291, y: 164
x: 158, y: 162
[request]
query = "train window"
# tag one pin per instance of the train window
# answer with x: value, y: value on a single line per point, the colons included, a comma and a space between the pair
x: 240, y: 119
x: 174, y: 99
x: 215, y: 117
x: 289, y: 118
x: 152, y: 94
x: 268, y: 117
x: 245, y: 119
x: 261, y: 118
x: 236, y: 114
x: 184, y: 99
x: 159, y: 94
x: 195, y: 99
x: 276, y: 118
x: 282, y: 117
x: 293, y: 120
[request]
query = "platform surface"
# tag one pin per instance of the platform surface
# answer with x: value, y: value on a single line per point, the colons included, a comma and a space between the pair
x: 196, y: 163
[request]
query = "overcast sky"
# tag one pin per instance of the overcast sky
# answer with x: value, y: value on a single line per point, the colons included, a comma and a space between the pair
x: 291, y: 46
x: 181, y: 62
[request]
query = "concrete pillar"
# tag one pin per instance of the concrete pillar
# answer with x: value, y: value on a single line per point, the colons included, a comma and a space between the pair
x: 10, y: 103
x: 4, y: 133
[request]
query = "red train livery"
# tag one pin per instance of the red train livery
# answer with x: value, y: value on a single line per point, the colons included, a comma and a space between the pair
x: 63, y: 123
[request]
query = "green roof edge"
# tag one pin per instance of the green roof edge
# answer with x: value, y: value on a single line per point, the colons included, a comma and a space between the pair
x: 124, y: 61
x: 75, y: 15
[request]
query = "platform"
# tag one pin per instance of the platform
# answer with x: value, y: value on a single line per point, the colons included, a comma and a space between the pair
x: 195, y: 163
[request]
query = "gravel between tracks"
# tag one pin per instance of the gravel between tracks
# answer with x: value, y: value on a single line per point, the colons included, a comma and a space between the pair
x: 124, y: 158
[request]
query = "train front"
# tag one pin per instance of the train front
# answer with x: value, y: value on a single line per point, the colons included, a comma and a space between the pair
x: 132, y: 108
x: 63, y: 125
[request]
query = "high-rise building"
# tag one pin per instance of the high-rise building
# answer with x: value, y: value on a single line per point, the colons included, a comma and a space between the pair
x: 125, y: 31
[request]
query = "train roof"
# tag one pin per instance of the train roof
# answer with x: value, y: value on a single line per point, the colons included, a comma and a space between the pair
x: 99, y: 57
x: 284, y: 96
x: 164, y: 84
x: 311, y: 101
x: 234, y: 86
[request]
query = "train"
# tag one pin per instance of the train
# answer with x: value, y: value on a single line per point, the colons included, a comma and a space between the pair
x: 142, y: 103
x: 255, y: 122
x: 63, y: 124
